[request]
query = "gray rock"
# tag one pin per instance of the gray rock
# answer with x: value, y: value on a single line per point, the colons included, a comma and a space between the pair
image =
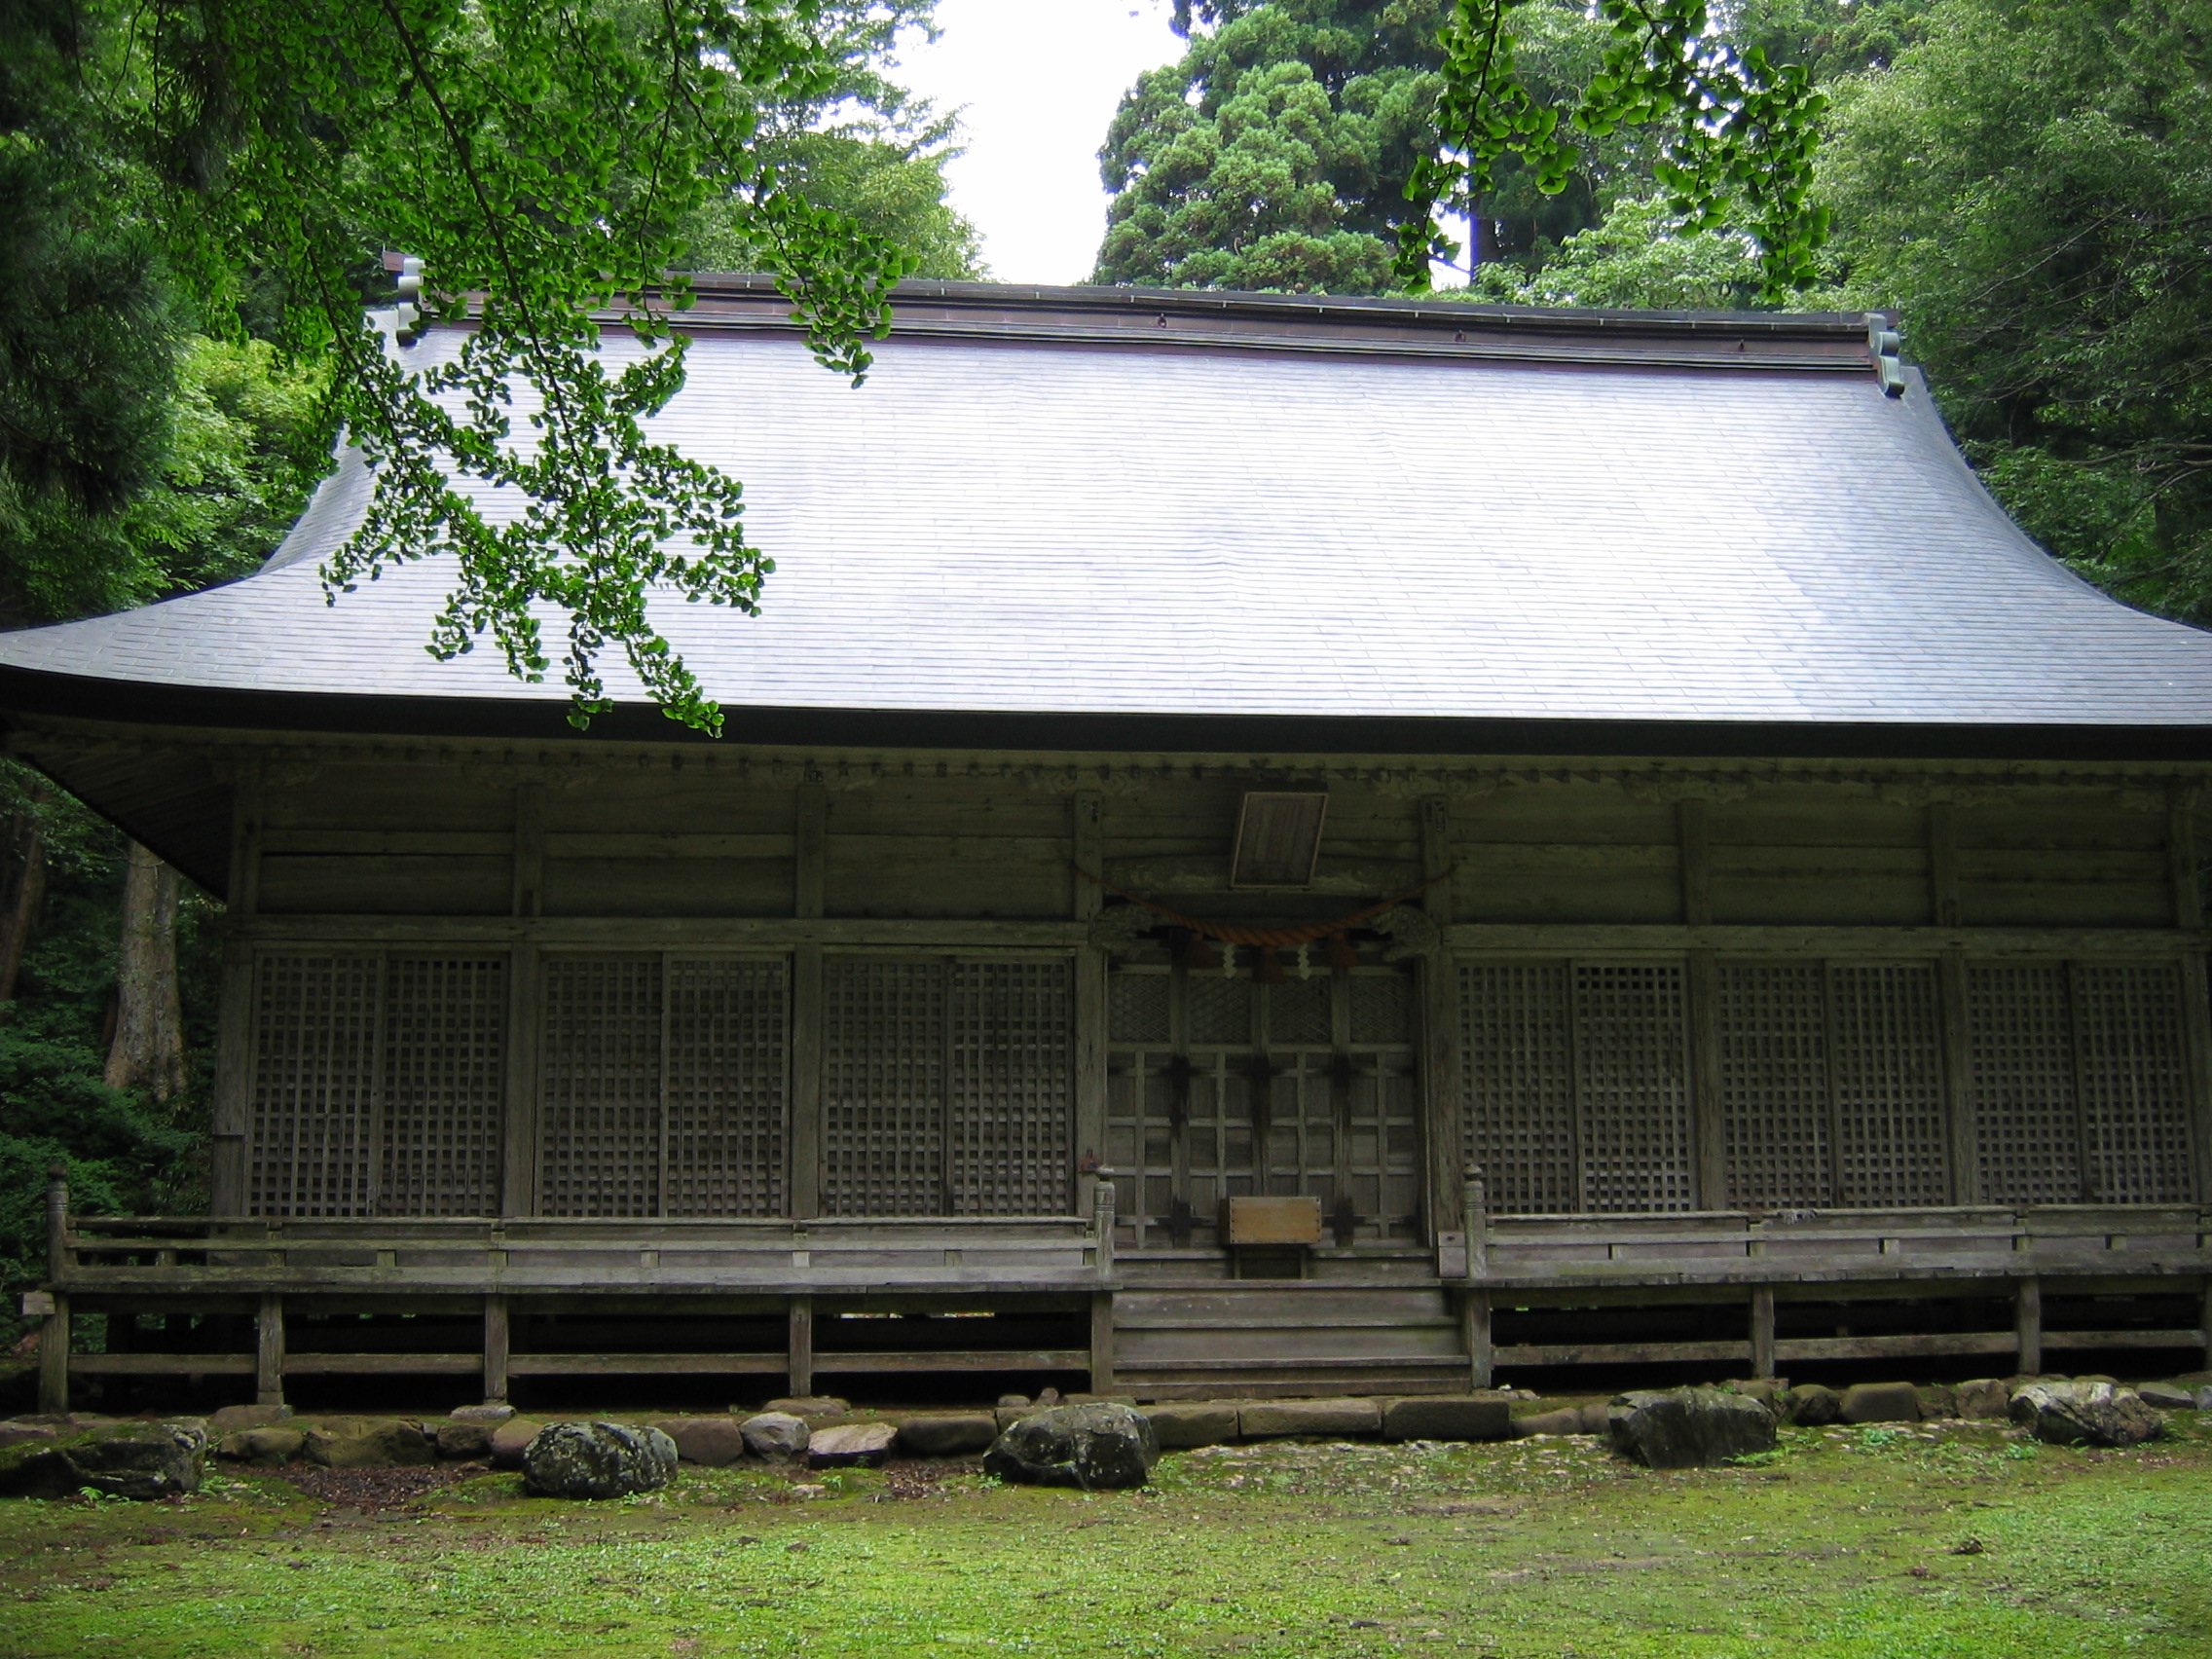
x: 2167, y: 1396
x: 711, y: 1442
x: 596, y: 1459
x: 2082, y: 1412
x: 1095, y: 1447
x: 2204, y: 1398
x: 1809, y: 1404
x: 264, y: 1448
x: 232, y: 1419
x: 1765, y: 1389
x: 143, y: 1460
x: 1006, y: 1417
x: 1448, y: 1417
x: 37, y: 1468
x: 814, y: 1408
x: 465, y: 1442
x: 1984, y: 1398
x: 1206, y: 1422
x: 1047, y: 1398
x: 850, y: 1445
x: 1683, y: 1428
x: 1937, y: 1400
x: 1019, y: 1402
x: 1270, y: 1419
x: 511, y: 1439
x: 369, y: 1443
x: 491, y: 1413
x: 951, y: 1436
x: 26, y: 1433
x: 1561, y: 1420
x: 779, y: 1437
x: 1880, y: 1402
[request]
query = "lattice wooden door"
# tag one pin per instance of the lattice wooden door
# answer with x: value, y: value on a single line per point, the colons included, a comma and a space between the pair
x: 947, y: 1086
x: 1219, y: 1088
x: 316, y: 1050
x: 664, y: 1086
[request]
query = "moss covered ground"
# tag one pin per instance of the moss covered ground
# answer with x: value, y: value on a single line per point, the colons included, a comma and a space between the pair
x: 1943, y: 1543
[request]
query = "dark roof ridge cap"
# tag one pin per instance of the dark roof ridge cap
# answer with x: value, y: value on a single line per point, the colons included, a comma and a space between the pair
x: 1119, y: 297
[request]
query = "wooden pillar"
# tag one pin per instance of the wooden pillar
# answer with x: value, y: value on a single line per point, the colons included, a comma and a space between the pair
x: 1762, y: 1330
x: 1958, y: 1079
x: 2181, y: 861
x: 233, y: 1104
x: 54, y: 1356
x: 2196, y: 1051
x: 496, y: 1349
x: 519, y: 1126
x: 268, y: 1352
x: 1943, y: 826
x: 2027, y: 1321
x: 799, y: 1368
x: 1708, y: 1122
x: 1694, y: 860
x: 1444, y: 1135
x: 1101, y: 1341
x: 1474, y: 1320
x: 810, y: 862
x: 1087, y: 841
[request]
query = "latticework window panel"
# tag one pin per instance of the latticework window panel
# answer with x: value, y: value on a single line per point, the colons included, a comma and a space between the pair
x: 727, y: 1087
x: 315, y: 1054
x: 1516, y: 1046
x: 884, y: 1041
x: 1011, y: 1087
x: 600, y: 1069
x: 2133, y: 1080
x: 1240, y: 1088
x: 2027, y: 1129
x: 1632, y: 1087
x: 1770, y: 1025
x: 1888, y: 1064
x: 445, y: 1031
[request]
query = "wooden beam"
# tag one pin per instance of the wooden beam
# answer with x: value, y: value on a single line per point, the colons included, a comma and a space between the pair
x: 1695, y: 853
x: 974, y: 1359
x: 161, y: 1364
x: 1442, y: 1123
x: 2027, y: 1324
x: 1569, y: 939
x: 1625, y: 1353
x: 805, y: 1182
x: 520, y: 1108
x: 1101, y: 1341
x: 380, y: 1365
x: 1762, y: 1330
x: 268, y: 1352
x: 798, y: 1362
x: 53, y: 1357
x: 1942, y: 833
x: 705, y: 934
x: 2181, y: 875
x: 1922, y: 1345
x: 1087, y: 838
x: 648, y: 1364
x: 1960, y: 1141
x: 1709, y: 1121
x: 528, y: 852
x: 498, y: 1357
x: 810, y: 862
x: 2196, y: 1054
x: 234, y: 1080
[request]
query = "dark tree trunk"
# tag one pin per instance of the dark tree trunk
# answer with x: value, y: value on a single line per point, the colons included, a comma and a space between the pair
x: 147, y: 1050
x: 28, y: 895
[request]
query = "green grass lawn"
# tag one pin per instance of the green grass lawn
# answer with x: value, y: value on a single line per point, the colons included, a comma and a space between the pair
x: 1952, y: 1544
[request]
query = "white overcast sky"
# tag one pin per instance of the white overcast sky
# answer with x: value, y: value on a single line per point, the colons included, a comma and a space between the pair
x: 1038, y: 81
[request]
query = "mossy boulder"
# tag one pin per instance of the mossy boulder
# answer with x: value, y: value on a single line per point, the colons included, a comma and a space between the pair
x: 597, y: 1459
x: 1095, y: 1448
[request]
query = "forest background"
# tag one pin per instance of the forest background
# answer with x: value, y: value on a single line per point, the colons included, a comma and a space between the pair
x: 2028, y: 182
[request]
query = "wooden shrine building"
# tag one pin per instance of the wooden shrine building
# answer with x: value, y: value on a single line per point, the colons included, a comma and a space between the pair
x: 1264, y: 845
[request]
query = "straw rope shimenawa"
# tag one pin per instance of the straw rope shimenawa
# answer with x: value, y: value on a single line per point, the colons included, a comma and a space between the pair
x: 1278, y: 939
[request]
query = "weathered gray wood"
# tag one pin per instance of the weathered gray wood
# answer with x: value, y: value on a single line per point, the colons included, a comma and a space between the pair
x: 1623, y: 1353
x: 1762, y: 1330
x: 2196, y: 1038
x: 268, y: 1352
x: 2155, y: 944
x: 528, y: 851
x: 805, y: 1175
x: 1695, y: 853
x: 1101, y: 1358
x: 1942, y: 864
x: 1922, y: 1345
x: 248, y: 801
x: 159, y: 1365
x: 1442, y: 1128
x: 1709, y: 1125
x: 1087, y: 838
x: 1958, y: 1079
x: 498, y: 1357
x: 521, y: 1095
x: 973, y: 1359
x: 799, y: 1361
x: 1481, y: 1353
x: 810, y: 862
x: 648, y: 1364
x: 234, y: 1080
x: 380, y: 1365
x: 634, y: 845
x: 2027, y: 1320
x: 54, y: 1358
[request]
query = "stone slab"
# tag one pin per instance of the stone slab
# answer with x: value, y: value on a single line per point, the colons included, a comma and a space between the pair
x: 1273, y: 1419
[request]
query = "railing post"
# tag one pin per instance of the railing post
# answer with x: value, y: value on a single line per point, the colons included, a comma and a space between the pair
x: 1474, y: 1314
x: 268, y: 1352
x: 56, y: 1222
x: 1103, y: 1299
x: 1102, y: 1224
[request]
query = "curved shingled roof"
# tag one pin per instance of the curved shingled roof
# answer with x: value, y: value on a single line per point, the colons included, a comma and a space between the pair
x: 1106, y: 517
